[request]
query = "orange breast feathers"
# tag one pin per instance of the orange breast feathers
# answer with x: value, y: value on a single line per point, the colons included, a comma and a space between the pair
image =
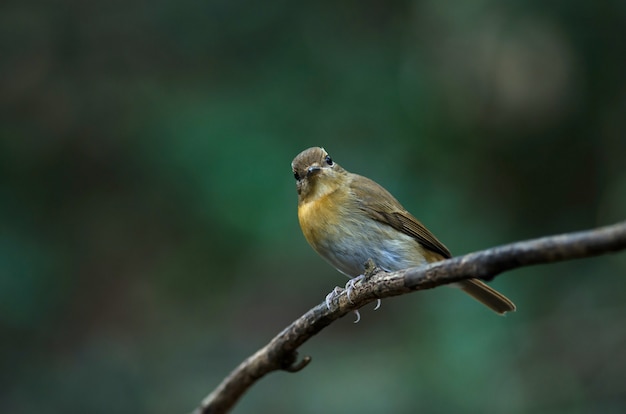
x: 321, y: 217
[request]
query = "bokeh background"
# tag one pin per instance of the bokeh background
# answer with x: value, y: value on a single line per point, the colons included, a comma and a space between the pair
x: 148, y: 231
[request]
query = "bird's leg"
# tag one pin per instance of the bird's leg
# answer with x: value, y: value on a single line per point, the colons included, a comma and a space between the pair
x: 350, y: 285
x: 332, y: 295
x: 370, y: 270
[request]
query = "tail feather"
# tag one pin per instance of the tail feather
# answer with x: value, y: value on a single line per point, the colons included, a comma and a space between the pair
x: 488, y: 296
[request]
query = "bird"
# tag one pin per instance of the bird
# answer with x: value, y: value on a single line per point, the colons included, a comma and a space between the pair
x: 348, y: 219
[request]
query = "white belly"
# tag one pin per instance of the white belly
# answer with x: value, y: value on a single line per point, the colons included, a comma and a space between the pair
x: 390, y: 250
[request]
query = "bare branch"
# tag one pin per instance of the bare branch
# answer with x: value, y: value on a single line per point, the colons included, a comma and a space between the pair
x: 280, y: 353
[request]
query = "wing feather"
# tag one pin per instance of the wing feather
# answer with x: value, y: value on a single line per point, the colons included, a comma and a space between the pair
x: 381, y: 206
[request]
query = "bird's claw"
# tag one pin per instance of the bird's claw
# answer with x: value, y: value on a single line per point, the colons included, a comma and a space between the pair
x: 332, y: 295
x: 350, y: 285
x: 348, y: 289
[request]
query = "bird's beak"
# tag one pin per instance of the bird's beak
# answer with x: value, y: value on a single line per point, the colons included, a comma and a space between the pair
x: 313, y: 169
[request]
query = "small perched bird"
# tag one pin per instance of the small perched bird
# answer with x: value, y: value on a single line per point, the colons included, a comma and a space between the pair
x: 348, y: 219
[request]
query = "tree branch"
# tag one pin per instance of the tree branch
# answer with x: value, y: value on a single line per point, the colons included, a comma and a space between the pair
x: 280, y: 353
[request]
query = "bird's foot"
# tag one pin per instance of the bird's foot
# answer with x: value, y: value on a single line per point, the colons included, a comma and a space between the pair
x: 370, y: 270
x: 348, y: 289
x: 332, y: 296
x: 350, y: 285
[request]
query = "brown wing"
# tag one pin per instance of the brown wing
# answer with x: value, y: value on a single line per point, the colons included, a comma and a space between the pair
x: 381, y: 206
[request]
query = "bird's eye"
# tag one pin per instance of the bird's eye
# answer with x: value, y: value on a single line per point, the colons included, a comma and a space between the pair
x: 296, y: 175
x: 328, y: 160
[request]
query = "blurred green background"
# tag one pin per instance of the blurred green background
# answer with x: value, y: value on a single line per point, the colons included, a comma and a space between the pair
x: 148, y: 232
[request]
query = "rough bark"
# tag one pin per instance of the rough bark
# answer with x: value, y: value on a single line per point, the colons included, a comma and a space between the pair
x: 281, y: 352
